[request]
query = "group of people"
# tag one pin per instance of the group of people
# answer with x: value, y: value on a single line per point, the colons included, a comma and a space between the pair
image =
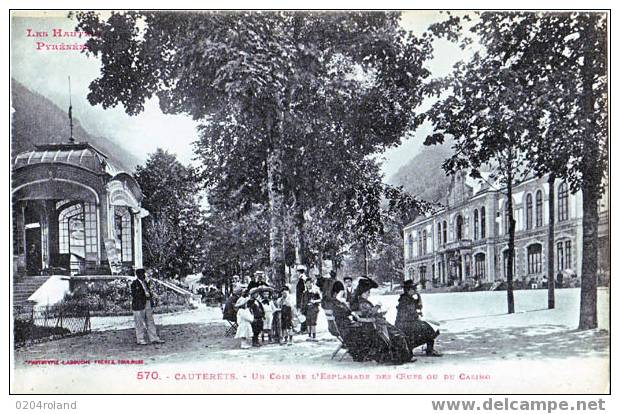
x: 368, y: 335
x: 262, y: 313
x: 260, y: 310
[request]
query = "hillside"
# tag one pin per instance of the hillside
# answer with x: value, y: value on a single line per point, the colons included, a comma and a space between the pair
x: 423, y: 176
x: 36, y: 120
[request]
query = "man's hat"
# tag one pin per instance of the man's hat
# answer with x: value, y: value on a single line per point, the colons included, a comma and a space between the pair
x: 301, y: 268
x: 348, y: 278
x: 140, y: 272
x: 365, y: 284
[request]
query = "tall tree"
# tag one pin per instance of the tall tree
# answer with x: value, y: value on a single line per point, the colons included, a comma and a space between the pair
x: 246, y: 73
x: 564, y: 55
x: 174, y: 227
x: 485, y: 107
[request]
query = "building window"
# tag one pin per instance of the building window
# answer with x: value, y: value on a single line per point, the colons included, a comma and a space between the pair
x: 438, y: 234
x: 459, y: 227
x: 534, y: 258
x: 71, y: 229
x: 563, y: 202
x: 482, y: 223
x: 90, y: 227
x: 567, y: 251
x: 424, y: 250
x: 419, y: 244
x: 422, y: 274
x: 123, y: 224
x: 539, y: 209
x: 506, y: 220
x: 475, y: 224
x: 560, y: 254
x: 410, y: 245
x: 479, y: 265
x: 445, y: 232
x: 528, y: 211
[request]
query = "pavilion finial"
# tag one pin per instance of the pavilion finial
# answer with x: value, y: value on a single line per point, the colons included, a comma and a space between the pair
x: 71, y: 139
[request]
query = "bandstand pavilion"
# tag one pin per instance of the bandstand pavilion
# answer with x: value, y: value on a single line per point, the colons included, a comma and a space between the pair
x: 74, y: 212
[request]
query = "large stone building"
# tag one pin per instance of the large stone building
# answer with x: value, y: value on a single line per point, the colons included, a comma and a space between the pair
x: 468, y: 239
x: 74, y: 212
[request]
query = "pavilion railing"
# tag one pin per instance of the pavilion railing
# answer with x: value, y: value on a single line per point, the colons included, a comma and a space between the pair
x: 37, y: 324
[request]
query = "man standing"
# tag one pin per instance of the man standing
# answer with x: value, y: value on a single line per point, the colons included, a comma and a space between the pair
x: 348, y: 289
x: 254, y: 282
x: 142, y: 307
x: 258, y: 312
x: 299, y: 292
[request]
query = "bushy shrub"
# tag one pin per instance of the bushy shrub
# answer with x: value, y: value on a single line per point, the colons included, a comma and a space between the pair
x: 111, y: 298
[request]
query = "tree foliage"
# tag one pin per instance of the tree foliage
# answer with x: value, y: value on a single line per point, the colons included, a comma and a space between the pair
x: 284, y: 99
x: 174, y: 227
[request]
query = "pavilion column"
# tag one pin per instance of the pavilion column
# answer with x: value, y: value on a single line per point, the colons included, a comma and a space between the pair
x: 137, y: 239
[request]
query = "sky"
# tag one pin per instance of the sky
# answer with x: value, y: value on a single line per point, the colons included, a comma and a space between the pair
x: 47, y: 71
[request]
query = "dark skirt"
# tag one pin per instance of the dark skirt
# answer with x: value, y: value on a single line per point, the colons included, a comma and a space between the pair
x: 311, y: 315
x: 286, y: 317
x: 418, y: 332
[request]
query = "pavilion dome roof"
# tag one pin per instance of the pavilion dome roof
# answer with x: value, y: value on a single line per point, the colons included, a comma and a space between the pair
x: 80, y: 154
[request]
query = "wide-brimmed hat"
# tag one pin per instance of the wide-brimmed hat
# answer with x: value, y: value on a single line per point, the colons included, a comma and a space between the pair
x: 261, y: 289
x: 365, y: 284
x: 409, y: 284
x: 238, y: 290
x: 242, y: 301
x: 301, y: 268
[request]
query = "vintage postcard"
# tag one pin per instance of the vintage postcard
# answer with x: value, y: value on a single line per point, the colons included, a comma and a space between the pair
x: 314, y: 202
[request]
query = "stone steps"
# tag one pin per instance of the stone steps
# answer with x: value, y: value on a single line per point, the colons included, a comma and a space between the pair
x: 25, y: 287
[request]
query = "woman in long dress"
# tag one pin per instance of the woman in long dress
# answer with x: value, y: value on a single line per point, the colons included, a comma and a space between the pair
x: 408, y: 320
x: 389, y: 344
x: 311, y: 298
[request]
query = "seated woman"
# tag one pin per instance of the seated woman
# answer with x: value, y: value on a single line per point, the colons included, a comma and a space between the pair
x: 353, y: 333
x: 388, y: 342
x: 408, y: 320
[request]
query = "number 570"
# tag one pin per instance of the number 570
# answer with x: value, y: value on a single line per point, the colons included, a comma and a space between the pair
x: 145, y: 375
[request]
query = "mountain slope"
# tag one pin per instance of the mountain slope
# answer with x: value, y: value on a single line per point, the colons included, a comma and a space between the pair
x: 423, y: 176
x: 36, y: 120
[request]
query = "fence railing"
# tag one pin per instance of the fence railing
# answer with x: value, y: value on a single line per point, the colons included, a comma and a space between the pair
x: 49, y: 322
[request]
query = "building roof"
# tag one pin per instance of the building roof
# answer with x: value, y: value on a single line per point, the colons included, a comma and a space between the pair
x: 80, y: 154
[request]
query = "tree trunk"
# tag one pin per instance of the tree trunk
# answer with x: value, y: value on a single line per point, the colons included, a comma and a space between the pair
x: 300, y: 236
x: 511, y: 248
x: 589, y: 264
x: 365, y: 258
x: 550, y: 244
x: 590, y: 192
x: 276, y: 219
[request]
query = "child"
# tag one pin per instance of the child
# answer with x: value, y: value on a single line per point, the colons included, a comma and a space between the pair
x: 286, y: 316
x: 244, y: 322
x: 269, y: 308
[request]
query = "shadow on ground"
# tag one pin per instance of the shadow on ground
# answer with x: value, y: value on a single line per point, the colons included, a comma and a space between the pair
x: 197, y: 342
